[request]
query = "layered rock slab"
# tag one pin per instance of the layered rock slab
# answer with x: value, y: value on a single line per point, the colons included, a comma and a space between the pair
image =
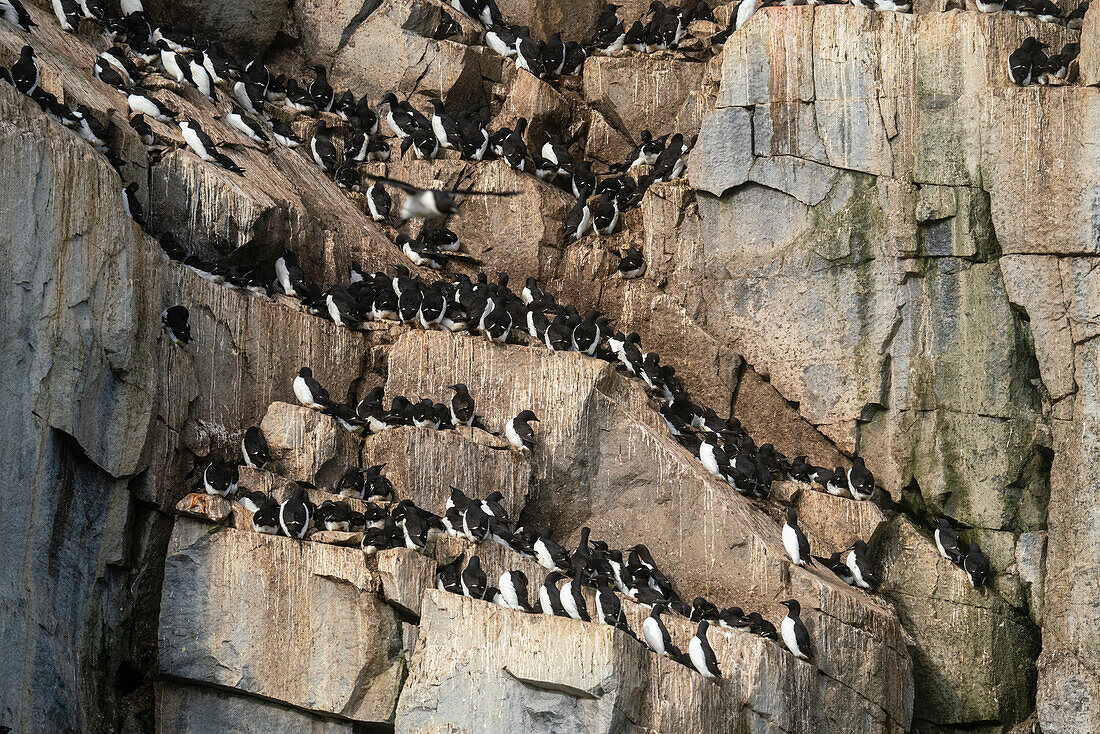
x: 297, y: 622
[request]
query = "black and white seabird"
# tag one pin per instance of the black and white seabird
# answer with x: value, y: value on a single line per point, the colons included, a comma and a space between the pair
x: 549, y: 553
x: 474, y: 583
x: 861, y: 483
x: 519, y: 433
x: 144, y: 103
x: 266, y: 518
x: 578, y: 221
x: 197, y: 140
x: 309, y: 392
x: 794, y: 540
x: 132, y: 205
x: 174, y: 320
x: 254, y: 449
x: 13, y: 12
x: 513, y: 591
x: 24, y: 72
x: 220, y: 477
x: 253, y: 500
x: 656, y: 634
x: 762, y: 627
x: 1021, y: 62
x: 609, y: 608
x: 631, y: 263
x: 378, y: 202
x: 320, y: 90
x: 701, y: 654
x: 324, y: 152
x: 550, y: 595
x: 947, y: 542
x: 572, y: 600
x: 296, y: 514
x: 462, y: 406
x: 239, y: 120
x: 793, y: 632
x: 976, y: 566
x: 862, y: 571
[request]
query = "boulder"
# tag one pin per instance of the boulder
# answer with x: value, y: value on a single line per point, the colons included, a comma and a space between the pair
x: 534, y: 672
x: 211, y: 508
x: 574, y: 19
x: 260, y: 614
x: 405, y: 575
x: 603, y: 456
x: 246, y: 27
x: 308, y: 445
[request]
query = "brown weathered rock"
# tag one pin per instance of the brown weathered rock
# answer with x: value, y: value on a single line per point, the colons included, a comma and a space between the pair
x: 209, y: 507
x: 337, y: 537
x: 405, y: 575
x: 641, y: 92
x: 537, y: 102
x: 307, y: 445
x: 424, y: 464
x: 293, y: 599
x: 574, y: 19
x: 189, y: 709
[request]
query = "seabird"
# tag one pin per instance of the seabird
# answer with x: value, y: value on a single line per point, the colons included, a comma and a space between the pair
x: 174, y: 320
x: 976, y: 566
x: 610, y: 609
x: 131, y: 205
x: 284, y: 134
x: 550, y: 596
x: 378, y: 202
x: 1021, y: 62
x: 462, y: 406
x: 474, y: 583
x: 377, y: 487
x: 793, y: 632
x: 519, y: 433
x: 252, y: 500
x: 862, y: 571
x: 447, y: 575
x: 572, y: 600
x: 549, y: 553
x: 947, y: 541
x: 254, y: 449
x: 733, y: 618
x: 324, y: 152
x: 428, y: 203
x: 631, y: 263
x: 656, y: 635
x: 197, y: 139
x: 240, y: 120
x: 220, y: 477
x: 320, y: 90
x: 68, y: 14
x: 701, y: 654
x: 14, y: 12
x: 579, y: 219
x: 794, y: 540
x: 309, y: 392
x: 762, y: 627
x: 266, y: 518
x: 296, y: 514
x: 861, y: 483
x: 513, y: 591
x: 24, y: 72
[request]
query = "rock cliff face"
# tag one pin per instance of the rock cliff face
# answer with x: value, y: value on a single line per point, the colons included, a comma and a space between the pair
x: 882, y: 246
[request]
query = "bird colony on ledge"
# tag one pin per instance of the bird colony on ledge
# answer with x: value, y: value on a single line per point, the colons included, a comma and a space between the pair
x: 490, y: 309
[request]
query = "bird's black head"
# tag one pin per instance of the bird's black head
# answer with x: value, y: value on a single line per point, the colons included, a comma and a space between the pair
x: 526, y: 415
x: 792, y: 606
x: 703, y: 624
x: 305, y: 372
x: 27, y: 51
x: 792, y: 515
x: 459, y: 388
x: 390, y: 99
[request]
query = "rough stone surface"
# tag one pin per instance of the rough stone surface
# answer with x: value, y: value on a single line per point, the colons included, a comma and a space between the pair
x: 973, y: 652
x: 424, y: 464
x: 270, y: 623
x: 640, y: 93
x: 308, y: 445
x: 249, y: 26
x: 723, y: 154
x: 211, y: 508
x: 190, y: 709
